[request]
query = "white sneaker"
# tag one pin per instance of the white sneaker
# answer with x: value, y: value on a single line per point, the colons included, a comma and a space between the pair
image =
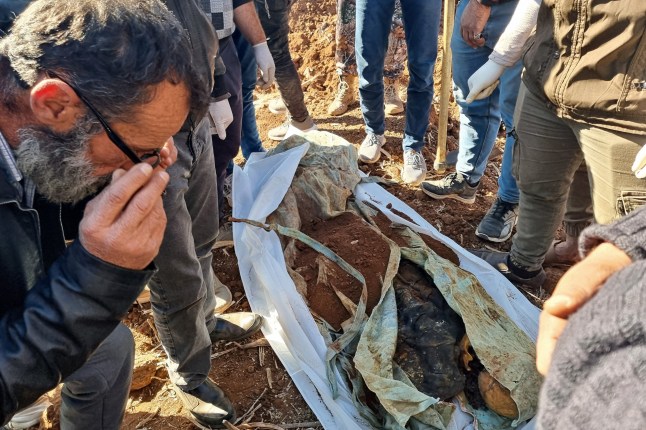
x: 414, y: 170
x: 370, y: 149
x: 279, y: 133
x: 277, y: 106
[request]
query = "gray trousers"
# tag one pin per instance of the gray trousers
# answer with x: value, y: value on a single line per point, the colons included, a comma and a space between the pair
x: 548, y: 158
x: 182, y: 295
x: 94, y: 397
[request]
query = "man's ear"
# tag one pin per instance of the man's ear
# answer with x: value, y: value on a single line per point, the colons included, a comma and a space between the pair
x: 55, y: 104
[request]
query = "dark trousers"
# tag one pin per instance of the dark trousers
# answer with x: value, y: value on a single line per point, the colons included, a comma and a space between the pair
x: 94, y: 397
x: 224, y: 150
x: 274, y: 18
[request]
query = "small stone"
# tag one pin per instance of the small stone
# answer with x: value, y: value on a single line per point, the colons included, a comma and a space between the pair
x: 237, y: 295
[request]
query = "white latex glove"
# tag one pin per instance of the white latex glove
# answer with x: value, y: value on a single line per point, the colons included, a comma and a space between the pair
x: 639, y: 165
x: 220, y: 117
x: 266, y: 65
x: 484, y: 81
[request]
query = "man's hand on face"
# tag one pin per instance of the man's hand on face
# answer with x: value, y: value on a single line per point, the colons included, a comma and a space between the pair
x: 124, y: 225
x: 474, y: 19
x: 576, y: 287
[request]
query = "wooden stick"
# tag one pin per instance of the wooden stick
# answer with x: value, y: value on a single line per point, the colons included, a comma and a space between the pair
x: 445, y: 88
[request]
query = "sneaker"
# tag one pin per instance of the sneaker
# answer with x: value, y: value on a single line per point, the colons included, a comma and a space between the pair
x: 499, y: 221
x: 452, y: 186
x: 392, y: 102
x: 279, y: 133
x: 414, y: 170
x: 277, y: 106
x: 370, y: 149
x: 228, y: 188
x: 346, y: 94
x: 502, y: 262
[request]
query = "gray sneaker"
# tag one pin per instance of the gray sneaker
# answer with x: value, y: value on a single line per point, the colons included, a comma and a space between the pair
x: 370, y: 149
x: 452, y: 186
x: 517, y: 275
x: 499, y: 221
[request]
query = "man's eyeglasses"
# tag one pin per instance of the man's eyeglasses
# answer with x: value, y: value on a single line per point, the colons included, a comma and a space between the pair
x: 114, y: 137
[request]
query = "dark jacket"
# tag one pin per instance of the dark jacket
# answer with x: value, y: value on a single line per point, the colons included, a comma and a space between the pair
x: 56, y: 304
x: 588, y: 62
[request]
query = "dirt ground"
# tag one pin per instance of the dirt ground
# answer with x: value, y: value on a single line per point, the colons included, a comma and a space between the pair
x: 249, y: 372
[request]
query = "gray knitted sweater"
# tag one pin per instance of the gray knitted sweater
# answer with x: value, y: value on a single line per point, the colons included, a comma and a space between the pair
x: 597, y: 379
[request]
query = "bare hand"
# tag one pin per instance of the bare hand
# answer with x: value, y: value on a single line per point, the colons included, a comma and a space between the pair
x: 474, y: 19
x: 124, y: 225
x: 575, y: 288
x: 168, y: 154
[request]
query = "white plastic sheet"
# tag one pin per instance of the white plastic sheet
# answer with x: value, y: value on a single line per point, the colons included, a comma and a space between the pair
x: 289, y: 326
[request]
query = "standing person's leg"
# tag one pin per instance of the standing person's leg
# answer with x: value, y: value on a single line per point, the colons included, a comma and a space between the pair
x: 394, y: 63
x: 546, y: 158
x: 274, y: 18
x: 578, y: 215
x: 346, y: 65
x: 609, y: 156
x: 371, y: 41
x: 250, y: 139
x: 498, y: 223
x: 225, y: 150
x: 94, y: 397
x: 421, y: 25
x: 183, y: 284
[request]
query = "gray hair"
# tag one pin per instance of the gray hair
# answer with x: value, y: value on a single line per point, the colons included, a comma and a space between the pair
x: 113, y: 51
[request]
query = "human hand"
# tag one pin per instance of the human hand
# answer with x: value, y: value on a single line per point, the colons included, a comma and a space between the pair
x: 639, y: 165
x: 266, y: 65
x: 575, y: 288
x: 221, y: 117
x: 473, y: 21
x: 484, y: 81
x: 168, y: 154
x: 124, y: 225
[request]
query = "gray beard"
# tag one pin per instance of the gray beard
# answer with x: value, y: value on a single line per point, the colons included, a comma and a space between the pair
x: 58, y: 163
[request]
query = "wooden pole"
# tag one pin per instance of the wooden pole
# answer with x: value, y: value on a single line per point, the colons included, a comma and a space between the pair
x: 445, y: 87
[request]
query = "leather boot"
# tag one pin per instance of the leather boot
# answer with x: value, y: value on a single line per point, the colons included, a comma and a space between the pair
x: 207, y: 405
x: 235, y: 326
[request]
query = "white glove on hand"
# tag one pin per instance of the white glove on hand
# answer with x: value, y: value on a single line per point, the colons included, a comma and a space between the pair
x: 266, y: 65
x: 484, y: 81
x: 220, y: 117
x: 639, y: 165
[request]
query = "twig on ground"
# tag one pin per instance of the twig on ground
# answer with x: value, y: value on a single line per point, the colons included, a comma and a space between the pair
x: 230, y: 426
x: 225, y: 352
x: 241, y: 419
x: 149, y: 418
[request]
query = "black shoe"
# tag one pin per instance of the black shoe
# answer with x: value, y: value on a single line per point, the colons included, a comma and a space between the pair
x: 517, y: 275
x: 235, y: 326
x: 207, y: 405
x: 452, y: 186
x: 499, y: 221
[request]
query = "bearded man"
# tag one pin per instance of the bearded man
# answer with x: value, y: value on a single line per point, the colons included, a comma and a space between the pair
x: 91, y: 93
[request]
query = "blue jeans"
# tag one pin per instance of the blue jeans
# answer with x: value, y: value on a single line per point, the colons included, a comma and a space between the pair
x: 250, y: 139
x: 480, y: 120
x: 182, y: 291
x: 421, y: 25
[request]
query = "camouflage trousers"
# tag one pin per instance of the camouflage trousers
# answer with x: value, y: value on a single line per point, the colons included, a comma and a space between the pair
x: 345, y: 27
